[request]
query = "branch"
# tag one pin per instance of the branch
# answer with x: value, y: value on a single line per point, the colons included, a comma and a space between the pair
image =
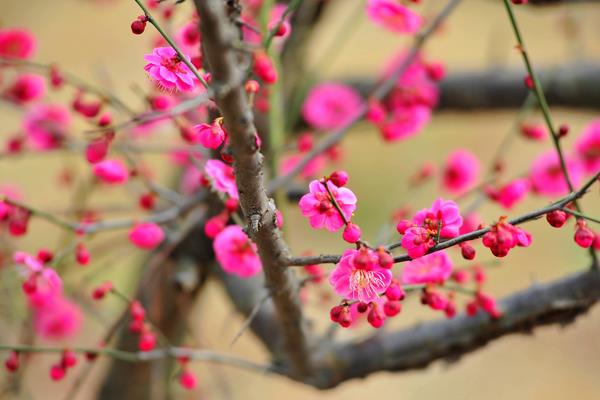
x: 559, y: 205
x: 217, y: 36
x: 558, y: 302
x: 569, y: 85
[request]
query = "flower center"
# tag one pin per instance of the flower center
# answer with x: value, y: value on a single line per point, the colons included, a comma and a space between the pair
x: 173, y: 64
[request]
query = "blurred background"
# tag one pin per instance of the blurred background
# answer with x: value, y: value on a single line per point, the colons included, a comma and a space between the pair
x: 93, y: 40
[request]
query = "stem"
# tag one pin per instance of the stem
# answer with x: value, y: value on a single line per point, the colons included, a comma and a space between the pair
x: 164, y: 34
x: 580, y: 215
x: 539, y: 93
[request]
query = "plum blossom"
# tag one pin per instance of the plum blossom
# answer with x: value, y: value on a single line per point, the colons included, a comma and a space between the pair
x: 330, y: 105
x: 112, y: 171
x: 358, y: 276
x: 146, y: 235
x: 503, y: 236
x: 547, y: 177
x: 58, y: 319
x: 417, y: 241
x: 319, y: 208
x: 168, y: 70
x: 236, y: 252
x: 431, y: 268
x: 210, y: 136
x: 26, y: 88
x: 587, y: 147
x: 312, y: 168
x: 405, y: 122
x: 444, y: 212
x: 461, y: 171
x: 46, y: 126
x: 393, y: 16
x: 222, y: 177
x: 510, y: 194
x: 17, y: 43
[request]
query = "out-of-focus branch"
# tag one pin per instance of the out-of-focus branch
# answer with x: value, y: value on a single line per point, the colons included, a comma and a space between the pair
x: 218, y: 35
x: 569, y: 85
x: 378, y: 93
x: 558, y: 302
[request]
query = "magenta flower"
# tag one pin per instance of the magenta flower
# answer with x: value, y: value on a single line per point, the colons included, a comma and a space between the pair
x: 358, y: 276
x: 547, y: 177
x: 222, y: 177
x: 113, y: 172
x: 510, y: 194
x: 417, y: 241
x: 313, y: 168
x: 168, y: 70
x: 588, y: 147
x: 319, y: 209
x: 46, y: 126
x: 431, y: 268
x: 460, y: 172
x: 210, y: 136
x: 146, y: 235
x: 330, y: 105
x: 393, y: 16
x: 405, y: 122
x: 59, y: 319
x: 444, y: 212
x: 236, y: 252
x: 26, y: 88
x: 16, y: 43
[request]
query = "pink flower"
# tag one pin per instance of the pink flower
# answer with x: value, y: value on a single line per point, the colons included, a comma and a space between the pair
x: 460, y: 172
x: 319, y: 209
x: 431, y: 268
x: 444, y: 212
x: 236, y: 252
x: 414, y: 86
x: 588, y: 147
x: 471, y: 222
x: 210, y: 136
x: 59, y: 319
x: 146, y: 235
x: 417, y: 241
x: 534, y: 131
x: 405, y: 122
x: 313, y: 168
x: 510, y: 194
x: 222, y: 177
x: 168, y: 70
x: 188, y: 38
x: 46, y: 126
x: 330, y: 105
x: 358, y: 276
x: 503, y: 236
x: 27, y: 88
x: 393, y: 16
x: 113, y: 171
x: 190, y: 182
x: 17, y: 43
x: 547, y: 177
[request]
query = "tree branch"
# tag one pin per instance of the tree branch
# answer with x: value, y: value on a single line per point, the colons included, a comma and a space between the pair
x: 558, y: 302
x: 217, y: 34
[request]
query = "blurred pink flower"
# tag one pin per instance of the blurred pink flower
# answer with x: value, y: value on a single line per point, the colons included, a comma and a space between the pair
x: 510, y: 194
x: 222, y: 177
x: 313, y: 168
x: 146, y: 235
x: 58, y: 319
x: 46, y: 125
x: 460, y: 172
x: 111, y: 171
x: 236, y: 252
x: 547, y: 177
x: 330, y: 105
x: 588, y: 147
x: 393, y: 16
x: 431, y: 268
x: 358, y: 276
x: 168, y: 70
x: 319, y: 209
x: 405, y: 122
x: 26, y: 88
x: 17, y: 43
